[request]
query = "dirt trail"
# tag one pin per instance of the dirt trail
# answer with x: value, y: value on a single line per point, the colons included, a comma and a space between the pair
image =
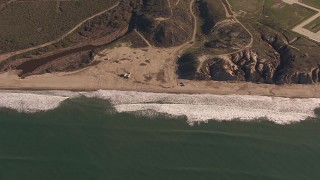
x: 226, y: 55
x: 171, y: 11
x: 152, y: 69
x: 6, y: 4
x: 249, y: 45
x: 228, y: 15
x: 195, y: 21
x: 10, y: 54
x: 58, y: 6
x: 178, y: 1
x: 142, y: 37
x: 149, y: 66
x: 181, y: 48
x: 231, y: 15
x: 251, y: 36
x: 194, y: 33
x: 160, y: 69
x: 166, y: 18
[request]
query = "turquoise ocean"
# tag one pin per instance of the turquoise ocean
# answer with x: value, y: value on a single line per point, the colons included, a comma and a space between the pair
x: 87, y: 139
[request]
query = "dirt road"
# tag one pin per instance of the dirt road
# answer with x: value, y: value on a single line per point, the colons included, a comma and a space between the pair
x: 195, y: 21
x: 142, y: 37
x: 8, y: 55
x: 233, y: 16
x: 152, y: 70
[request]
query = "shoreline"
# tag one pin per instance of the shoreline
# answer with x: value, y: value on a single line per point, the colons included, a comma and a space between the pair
x: 152, y: 70
x: 195, y: 107
x: 225, y: 88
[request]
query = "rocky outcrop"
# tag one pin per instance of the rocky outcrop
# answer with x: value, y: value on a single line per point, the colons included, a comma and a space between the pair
x: 255, y: 67
x: 225, y: 70
x: 247, y: 65
x: 279, y: 63
x: 299, y: 77
x: 296, y: 67
x: 250, y: 66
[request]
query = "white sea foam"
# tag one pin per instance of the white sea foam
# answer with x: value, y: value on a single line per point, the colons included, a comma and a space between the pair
x: 204, y: 107
x: 197, y: 107
x: 29, y: 102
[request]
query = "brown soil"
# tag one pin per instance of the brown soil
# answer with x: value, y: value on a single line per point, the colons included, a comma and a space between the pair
x: 105, y: 75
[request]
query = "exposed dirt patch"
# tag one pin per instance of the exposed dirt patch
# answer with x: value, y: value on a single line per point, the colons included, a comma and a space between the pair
x: 143, y: 65
x: 279, y: 5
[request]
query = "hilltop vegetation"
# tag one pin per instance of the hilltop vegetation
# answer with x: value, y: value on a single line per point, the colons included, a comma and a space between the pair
x: 249, y: 40
x: 165, y: 24
x: 26, y: 24
x: 314, y: 3
x: 275, y: 54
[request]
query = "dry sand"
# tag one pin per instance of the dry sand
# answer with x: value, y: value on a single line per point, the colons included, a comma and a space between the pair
x: 152, y: 70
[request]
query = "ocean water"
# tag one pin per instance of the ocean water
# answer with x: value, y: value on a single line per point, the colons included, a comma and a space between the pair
x: 142, y: 136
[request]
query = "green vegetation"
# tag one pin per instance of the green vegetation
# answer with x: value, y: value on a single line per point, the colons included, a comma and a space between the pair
x: 248, y: 6
x: 213, y: 9
x: 269, y: 23
x: 131, y: 39
x: 26, y: 24
x: 210, y: 12
x: 157, y: 8
x: 314, y: 26
x: 212, y: 39
x: 3, y: 4
x: 273, y: 13
x: 183, y: 4
x: 313, y: 3
x: 252, y: 41
x: 282, y: 16
x: 187, y: 66
x: 163, y: 28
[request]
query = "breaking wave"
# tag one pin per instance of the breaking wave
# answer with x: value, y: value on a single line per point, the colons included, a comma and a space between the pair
x: 196, y: 107
x: 29, y: 102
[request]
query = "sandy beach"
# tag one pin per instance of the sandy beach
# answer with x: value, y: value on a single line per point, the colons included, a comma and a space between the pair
x: 152, y: 70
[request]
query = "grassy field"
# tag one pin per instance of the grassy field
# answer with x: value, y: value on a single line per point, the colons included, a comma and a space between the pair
x: 159, y: 8
x: 279, y: 15
x: 26, y: 24
x: 216, y: 9
x: 183, y: 4
x: 209, y: 13
x: 314, y: 26
x: 314, y: 3
x: 272, y: 13
x: 3, y: 2
x: 249, y: 6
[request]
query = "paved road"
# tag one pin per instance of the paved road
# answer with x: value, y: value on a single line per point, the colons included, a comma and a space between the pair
x: 300, y: 28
